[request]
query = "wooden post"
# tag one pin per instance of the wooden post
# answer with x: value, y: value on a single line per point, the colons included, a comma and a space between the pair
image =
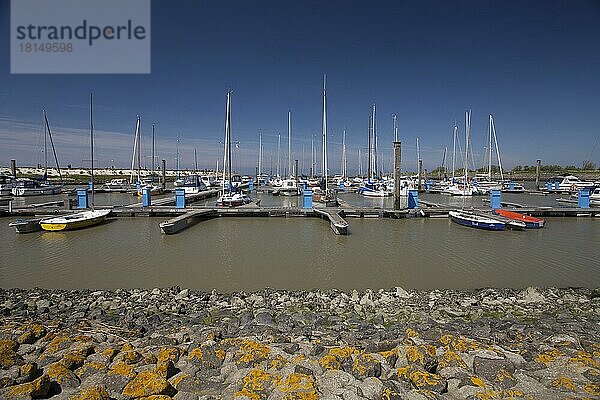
x: 13, y: 168
x: 296, y: 170
x: 164, y: 174
x: 537, y: 174
x: 397, y: 162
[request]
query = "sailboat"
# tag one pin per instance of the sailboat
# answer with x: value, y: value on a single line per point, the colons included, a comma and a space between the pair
x: 289, y: 186
x: 230, y: 196
x: 485, y: 183
x: 463, y: 188
x: 34, y: 187
x: 147, y: 184
x: 322, y: 194
x: 85, y: 218
x: 372, y: 187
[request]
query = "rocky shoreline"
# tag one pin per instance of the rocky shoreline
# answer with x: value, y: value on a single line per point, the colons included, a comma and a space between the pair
x: 273, y: 344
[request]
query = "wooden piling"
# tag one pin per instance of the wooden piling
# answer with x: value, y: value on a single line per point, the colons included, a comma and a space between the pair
x: 397, y: 162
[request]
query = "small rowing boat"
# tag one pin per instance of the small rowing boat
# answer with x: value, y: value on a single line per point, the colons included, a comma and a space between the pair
x: 26, y: 225
x: 471, y: 220
x: 530, y: 222
x: 74, y: 221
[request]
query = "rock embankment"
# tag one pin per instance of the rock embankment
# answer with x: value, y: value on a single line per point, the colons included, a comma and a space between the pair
x: 394, y: 344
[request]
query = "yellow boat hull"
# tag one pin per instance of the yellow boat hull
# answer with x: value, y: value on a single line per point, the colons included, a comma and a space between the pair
x: 71, y: 225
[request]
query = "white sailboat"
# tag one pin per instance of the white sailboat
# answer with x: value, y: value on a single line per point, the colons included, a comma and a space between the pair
x: 322, y: 193
x: 34, y: 187
x: 85, y: 218
x: 463, y: 188
x: 230, y: 196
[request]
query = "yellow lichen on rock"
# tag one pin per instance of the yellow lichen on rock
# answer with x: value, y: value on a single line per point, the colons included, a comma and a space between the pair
x: 175, y: 382
x: 97, y: 366
x: 35, y: 389
x: 584, y: 359
x: 329, y: 362
x: 297, y: 386
x: 592, y: 388
x: 255, y: 384
x: 424, y: 378
x: 110, y: 353
x: 563, y: 382
x: 147, y: 383
x: 169, y: 353
x: 120, y: 368
x: 93, y: 393
x: 549, y: 356
x: 250, y: 351
x: 449, y: 358
x: 278, y: 362
x: 476, y: 381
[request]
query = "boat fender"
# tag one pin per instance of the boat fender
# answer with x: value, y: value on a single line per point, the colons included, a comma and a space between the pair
x: 573, y: 188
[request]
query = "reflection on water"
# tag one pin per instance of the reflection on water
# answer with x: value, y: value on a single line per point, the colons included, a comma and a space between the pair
x: 302, y: 253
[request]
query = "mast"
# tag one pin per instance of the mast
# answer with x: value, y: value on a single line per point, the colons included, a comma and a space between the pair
x: 467, y: 135
x: 395, y: 127
x: 53, y: 148
x: 195, y: 161
x: 290, y: 142
x: 152, y: 175
x: 278, y: 153
x: 490, y: 148
x: 375, y: 163
x: 369, y: 163
x: 312, y: 157
x: 493, y: 129
x: 360, y: 171
x: 444, y: 167
x: 260, y: 150
x: 226, y: 145
x: 135, y: 142
x: 344, y: 165
x: 418, y: 154
x: 139, y: 151
x: 45, y: 150
x: 92, y: 152
x: 177, y: 155
x: 325, y: 130
x: 454, y: 132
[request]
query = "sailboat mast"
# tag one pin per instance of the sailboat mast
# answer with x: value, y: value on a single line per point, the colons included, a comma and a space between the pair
x: 369, y: 163
x: 290, y: 142
x: 177, y: 155
x: 45, y: 149
x: 418, y: 154
x: 344, y: 154
x: 53, y: 148
x: 92, y: 151
x: 394, y: 117
x: 325, y: 130
x: 229, y: 135
x: 490, y: 147
x: 454, y: 132
x: 360, y: 171
x: 375, y: 149
x: 467, y: 134
x: 312, y: 157
x: 137, y: 121
x: 195, y: 161
x: 278, y: 153
x: 493, y: 126
x: 139, y: 150
x: 260, y: 150
x: 153, y: 143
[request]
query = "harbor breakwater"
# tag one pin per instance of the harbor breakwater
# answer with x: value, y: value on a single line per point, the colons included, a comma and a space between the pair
x: 273, y: 344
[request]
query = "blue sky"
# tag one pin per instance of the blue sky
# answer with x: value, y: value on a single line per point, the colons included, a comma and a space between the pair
x: 533, y: 64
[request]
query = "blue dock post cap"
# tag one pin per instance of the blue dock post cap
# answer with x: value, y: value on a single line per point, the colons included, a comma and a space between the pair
x: 583, y: 198
x: 548, y: 185
x: 251, y: 185
x: 495, y: 199
x: 556, y: 185
x: 413, y: 199
x: 307, y: 198
x: 342, y: 186
x: 179, y: 198
x: 82, y: 198
x: 146, y: 197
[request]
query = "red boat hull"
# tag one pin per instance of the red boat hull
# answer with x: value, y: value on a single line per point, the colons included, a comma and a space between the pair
x: 530, y: 222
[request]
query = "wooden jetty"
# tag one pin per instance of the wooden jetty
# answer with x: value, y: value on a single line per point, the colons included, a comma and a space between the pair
x: 505, y: 203
x: 186, y: 220
x: 338, y: 224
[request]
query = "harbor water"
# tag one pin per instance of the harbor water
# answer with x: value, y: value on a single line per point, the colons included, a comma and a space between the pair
x: 231, y: 254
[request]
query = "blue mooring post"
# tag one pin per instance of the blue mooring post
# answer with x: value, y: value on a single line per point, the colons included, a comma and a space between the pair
x: 556, y: 185
x: 251, y: 185
x: 428, y: 185
x: 307, y: 198
x: 341, y: 186
x: 146, y: 197
x: 413, y: 199
x: 91, y: 185
x: 548, y: 186
x: 511, y: 186
x: 179, y: 198
x: 82, y: 198
x: 583, y: 199
x: 495, y: 202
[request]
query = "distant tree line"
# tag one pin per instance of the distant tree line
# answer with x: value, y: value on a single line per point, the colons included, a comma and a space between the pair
x: 587, y: 165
